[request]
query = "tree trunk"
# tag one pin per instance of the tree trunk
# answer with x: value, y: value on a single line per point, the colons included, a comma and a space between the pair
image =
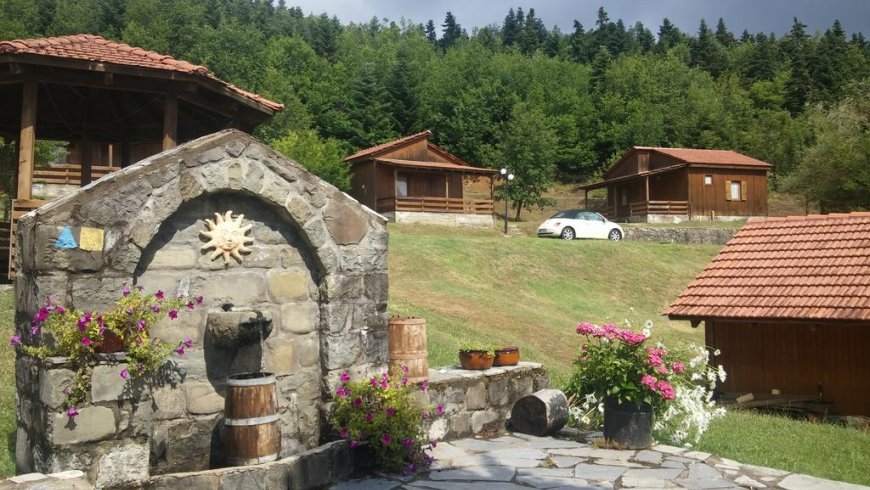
x: 541, y: 413
x: 519, y: 208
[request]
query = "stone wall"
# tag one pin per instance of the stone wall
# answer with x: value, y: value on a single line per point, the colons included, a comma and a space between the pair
x: 479, y: 402
x: 717, y: 236
x: 317, y: 270
x: 443, y: 219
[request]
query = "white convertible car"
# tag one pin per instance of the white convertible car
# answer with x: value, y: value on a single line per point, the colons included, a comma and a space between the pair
x: 580, y: 223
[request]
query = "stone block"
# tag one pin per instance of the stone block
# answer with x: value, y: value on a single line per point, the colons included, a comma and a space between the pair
x: 299, y: 209
x: 185, y: 445
x: 91, y: 424
x: 188, y: 324
x: 475, y: 396
x: 299, y: 318
x: 235, y: 148
x: 337, y: 316
x: 28, y: 478
x: 108, y: 385
x: 124, y: 465
x: 170, y: 402
x: 499, y: 392
x: 341, y: 351
x: 97, y: 293
x: 275, y: 189
x: 377, y: 287
x: 202, y: 398
x: 289, y: 285
x: 483, y: 419
x: 52, y: 382
x: 253, y: 180
x: 317, y: 233
x: 174, y: 258
x: 239, y: 287
x: 23, y: 450
x: 521, y: 386
x: 346, y: 223
x: 189, y: 186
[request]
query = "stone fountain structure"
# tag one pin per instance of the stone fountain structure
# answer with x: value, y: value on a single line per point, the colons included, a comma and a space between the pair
x: 302, y: 294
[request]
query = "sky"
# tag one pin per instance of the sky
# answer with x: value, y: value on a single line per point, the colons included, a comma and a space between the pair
x: 753, y: 15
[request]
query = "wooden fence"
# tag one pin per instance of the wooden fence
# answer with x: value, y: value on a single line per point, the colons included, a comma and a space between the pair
x: 435, y: 205
x: 641, y: 208
x: 66, y: 173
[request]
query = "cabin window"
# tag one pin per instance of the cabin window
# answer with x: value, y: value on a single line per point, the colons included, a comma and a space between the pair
x: 735, y: 190
x: 624, y: 198
x: 401, y: 186
x: 708, y: 180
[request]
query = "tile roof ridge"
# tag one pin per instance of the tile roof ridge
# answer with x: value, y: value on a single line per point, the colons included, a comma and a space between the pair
x: 808, y: 217
x: 387, y: 144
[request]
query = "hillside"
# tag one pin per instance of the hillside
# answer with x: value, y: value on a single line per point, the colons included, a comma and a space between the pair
x: 531, y: 292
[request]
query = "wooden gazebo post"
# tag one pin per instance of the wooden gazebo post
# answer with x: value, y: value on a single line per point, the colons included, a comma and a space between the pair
x: 27, y: 141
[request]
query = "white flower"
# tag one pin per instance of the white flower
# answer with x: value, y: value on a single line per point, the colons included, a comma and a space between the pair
x: 590, y: 398
x: 584, y: 420
x: 717, y: 352
x: 722, y: 373
x: 601, y: 407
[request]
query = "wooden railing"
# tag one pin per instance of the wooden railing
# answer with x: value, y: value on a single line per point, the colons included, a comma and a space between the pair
x: 659, y: 207
x: 67, y: 173
x: 20, y: 207
x: 435, y: 205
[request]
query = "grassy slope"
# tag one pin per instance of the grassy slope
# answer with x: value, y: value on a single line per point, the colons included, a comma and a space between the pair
x: 531, y: 292
x: 7, y: 385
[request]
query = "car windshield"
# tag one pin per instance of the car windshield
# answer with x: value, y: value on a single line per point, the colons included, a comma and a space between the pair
x: 569, y: 214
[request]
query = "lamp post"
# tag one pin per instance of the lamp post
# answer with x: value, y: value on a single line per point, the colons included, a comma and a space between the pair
x: 509, y: 176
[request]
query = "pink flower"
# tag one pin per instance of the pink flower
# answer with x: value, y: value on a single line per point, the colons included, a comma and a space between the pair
x: 198, y: 300
x: 140, y: 325
x: 155, y: 308
x: 125, y: 374
x: 404, y: 381
x: 374, y: 382
x: 86, y: 342
x: 391, y: 411
x: 678, y: 367
x: 585, y: 328
x: 72, y: 412
x: 59, y: 310
x: 173, y: 314
x: 439, y: 410
x: 187, y: 342
x: 357, y: 402
x: 15, y: 340
x: 388, y: 439
x: 180, y: 349
x: 424, y: 385
x: 34, y: 330
x: 405, y: 369
x: 126, y: 291
x: 344, y: 433
x: 425, y: 415
x: 190, y: 305
x: 354, y: 443
x: 662, y: 369
x: 159, y: 295
x: 369, y: 417
x: 648, y: 380
x: 344, y: 377
x: 384, y: 383
x: 342, y: 392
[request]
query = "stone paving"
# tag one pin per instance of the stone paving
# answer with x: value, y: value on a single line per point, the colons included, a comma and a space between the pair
x: 517, y: 461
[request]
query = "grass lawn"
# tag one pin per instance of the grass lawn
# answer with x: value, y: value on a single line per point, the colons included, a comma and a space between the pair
x: 531, y: 292
x: 7, y: 385
x: 823, y: 450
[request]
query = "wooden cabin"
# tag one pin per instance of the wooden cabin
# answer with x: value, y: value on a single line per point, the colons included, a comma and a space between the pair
x: 678, y: 184
x: 113, y: 103
x: 787, y: 302
x: 412, y: 179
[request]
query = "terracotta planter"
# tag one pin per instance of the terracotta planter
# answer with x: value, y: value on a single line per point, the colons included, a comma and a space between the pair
x: 507, y: 356
x: 110, y: 343
x: 475, y: 359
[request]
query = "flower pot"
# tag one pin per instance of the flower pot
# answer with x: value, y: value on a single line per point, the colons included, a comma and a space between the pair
x: 110, y: 343
x: 507, y: 356
x: 627, y: 425
x: 475, y: 359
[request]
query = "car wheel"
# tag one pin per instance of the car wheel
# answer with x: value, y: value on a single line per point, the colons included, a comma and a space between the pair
x: 567, y: 233
x: 614, y: 235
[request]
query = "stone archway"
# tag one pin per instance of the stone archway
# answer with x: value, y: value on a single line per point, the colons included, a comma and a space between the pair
x: 317, y: 269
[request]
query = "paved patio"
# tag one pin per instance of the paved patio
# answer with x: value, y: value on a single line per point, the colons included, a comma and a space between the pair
x: 518, y: 461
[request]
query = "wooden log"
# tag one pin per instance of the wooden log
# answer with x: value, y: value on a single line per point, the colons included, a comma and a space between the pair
x: 540, y: 414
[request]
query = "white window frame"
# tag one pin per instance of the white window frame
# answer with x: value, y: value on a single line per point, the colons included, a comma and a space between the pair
x: 401, y: 187
x: 708, y: 180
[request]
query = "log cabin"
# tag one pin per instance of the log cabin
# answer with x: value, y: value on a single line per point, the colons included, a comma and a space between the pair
x: 114, y: 104
x: 413, y: 180
x: 787, y: 302
x: 650, y: 184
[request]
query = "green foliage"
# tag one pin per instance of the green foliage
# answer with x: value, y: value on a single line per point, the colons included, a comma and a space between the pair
x: 835, y: 170
x: 383, y: 411
x: 488, y: 349
x: 322, y: 157
x: 79, y: 336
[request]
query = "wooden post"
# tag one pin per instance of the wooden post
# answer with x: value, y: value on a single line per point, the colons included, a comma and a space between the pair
x: 27, y: 140
x: 86, y: 153
x: 646, y: 184
x: 170, y: 121
x: 586, y: 198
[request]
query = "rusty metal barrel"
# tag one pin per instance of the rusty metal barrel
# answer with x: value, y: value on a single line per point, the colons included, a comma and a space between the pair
x: 407, y: 342
x: 252, y: 431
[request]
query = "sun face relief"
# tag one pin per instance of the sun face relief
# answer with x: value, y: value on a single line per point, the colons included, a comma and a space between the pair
x: 227, y: 236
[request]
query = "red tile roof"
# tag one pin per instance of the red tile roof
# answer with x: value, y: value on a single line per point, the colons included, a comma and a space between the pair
x: 708, y: 157
x: 438, y: 165
x: 88, y: 47
x: 389, y: 145
x: 806, y: 267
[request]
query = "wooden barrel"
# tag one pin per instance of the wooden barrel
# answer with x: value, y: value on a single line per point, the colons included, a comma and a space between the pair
x: 407, y: 340
x: 252, y: 434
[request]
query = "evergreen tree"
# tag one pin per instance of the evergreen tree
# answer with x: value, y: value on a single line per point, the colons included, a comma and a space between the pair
x: 669, y: 36
x: 643, y: 38
x: 431, y: 35
x: 723, y: 36
x: 555, y: 42
x: 510, y: 29
x: 402, y: 87
x: 705, y: 51
x: 451, y: 32
x: 831, y: 71
x: 746, y: 37
x: 600, y: 64
x: 762, y: 62
x: 577, y: 43
x: 800, y: 84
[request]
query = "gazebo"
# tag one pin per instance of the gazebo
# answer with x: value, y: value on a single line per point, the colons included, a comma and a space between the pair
x: 114, y: 104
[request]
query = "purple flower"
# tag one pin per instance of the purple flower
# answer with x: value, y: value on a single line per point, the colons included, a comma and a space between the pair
x: 344, y: 377
x: 408, y: 442
x: 66, y: 391
x: 424, y: 385
x: 129, y: 311
x: 354, y: 443
x: 433, y: 443
x: 59, y: 310
x: 159, y: 295
x: 369, y: 417
x: 198, y: 300
x: 180, y: 350
x: 425, y: 415
x: 190, y: 305
x: 344, y: 433
x: 72, y: 412
x: 404, y: 381
x: 86, y: 342
x: 357, y: 402
x: 155, y: 308
x: 439, y: 410
x: 15, y: 340
x: 140, y: 325
x: 405, y: 369
x: 342, y: 392
x: 188, y: 342
x: 391, y: 411
x: 388, y: 439
x: 126, y: 291
x: 34, y: 330
x: 173, y: 314
x: 125, y: 374
x: 409, y: 469
x: 384, y: 383
x: 374, y: 382
x: 140, y: 368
